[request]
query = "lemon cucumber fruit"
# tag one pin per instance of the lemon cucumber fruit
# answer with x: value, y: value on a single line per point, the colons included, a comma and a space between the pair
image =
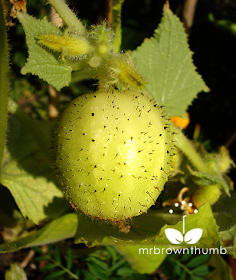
x: 113, y: 151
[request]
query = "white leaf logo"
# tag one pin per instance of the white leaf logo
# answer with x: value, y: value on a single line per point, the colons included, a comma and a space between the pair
x: 176, y: 237
x: 192, y: 236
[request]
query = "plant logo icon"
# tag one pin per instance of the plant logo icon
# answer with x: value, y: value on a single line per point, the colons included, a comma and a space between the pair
x: 176, y: 237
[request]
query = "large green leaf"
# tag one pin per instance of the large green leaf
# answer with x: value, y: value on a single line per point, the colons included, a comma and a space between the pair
x: 59, y: 229
x: 165, y: 61
x: 28, y: 175
x: 145, y: 258
x: 143, y: 228
x: 41, y: 62
x: 147, y: 233
x: 150, y: 229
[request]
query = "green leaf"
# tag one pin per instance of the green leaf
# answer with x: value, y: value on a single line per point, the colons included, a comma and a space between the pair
x: 203, y: 219
x: 150, y: 228
x: 41, y: 62
x: 143, y: 263
x: 42, y: 258
x: 207, y: 179
x: 165, y: 61
x: 227, y: 25
x: 201, y: 270
x: 69, y: 259
x: 88, y: 275
x: 15, y: 273
x: 148, y: 232
x: 112, y: 252
x: 55, y: 274
x: 225, y: 214
x: 48, y: 267
x: 118, y: 264
x: 57, y: 255
x: 197, y: 260
x: 144, y: 227
x: 97, y: 262
x: 28, y: 175
x: 125, y: 271
x: 185, y: 257
x: 193, y: 277
x: 59, y: 229
x: 183, y: 275
x: 177, y: 270
x: 96, y: 270
x: 4, y: 82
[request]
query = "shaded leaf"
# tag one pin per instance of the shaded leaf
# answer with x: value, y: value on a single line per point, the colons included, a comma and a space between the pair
x: 55, y: 274
x: 182, y: 275
x: 219, y: 268
x: 48, y: 267
x: 125, y: 271
x: 57, y: 255
x: 96, y: 262
x: 88, y: 275
x: 185, y: 257
x: 28, y: 175
x: 197, y: 260
x: 193, y: 277
x: 97, y: 270
x: 59, y: 229
x: 177, y: 270
x: 201, y: 270
x: 69, y: 260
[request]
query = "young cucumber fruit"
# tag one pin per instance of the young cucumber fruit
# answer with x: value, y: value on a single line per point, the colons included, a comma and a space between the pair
x: 113, y: 151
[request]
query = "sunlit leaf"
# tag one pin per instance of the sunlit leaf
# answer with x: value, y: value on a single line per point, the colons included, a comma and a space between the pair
x: 165, y: 61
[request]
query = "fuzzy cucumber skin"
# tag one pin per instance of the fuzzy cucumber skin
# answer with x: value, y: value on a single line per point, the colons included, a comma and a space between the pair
x: 113, y: 151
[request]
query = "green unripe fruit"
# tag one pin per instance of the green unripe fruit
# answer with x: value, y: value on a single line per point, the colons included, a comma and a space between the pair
x: 206, y: 194
x: 114, y: 153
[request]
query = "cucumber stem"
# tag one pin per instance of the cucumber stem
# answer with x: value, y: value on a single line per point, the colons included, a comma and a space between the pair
x: 187, y: 148
x: 67, y: 15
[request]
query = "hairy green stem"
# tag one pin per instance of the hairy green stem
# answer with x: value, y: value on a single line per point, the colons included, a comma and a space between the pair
x: 32, y: 126
x: 182, y: 143
x: 187, y: 148
x: 67, y: 15
x: 4, y: 83
x: 116, y: 24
